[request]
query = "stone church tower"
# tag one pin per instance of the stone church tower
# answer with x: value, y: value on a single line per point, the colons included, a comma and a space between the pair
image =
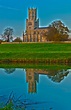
x: 33, y: 32
x: 32, y: 22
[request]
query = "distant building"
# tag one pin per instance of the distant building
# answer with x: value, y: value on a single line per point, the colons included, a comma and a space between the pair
x: 33, y: 32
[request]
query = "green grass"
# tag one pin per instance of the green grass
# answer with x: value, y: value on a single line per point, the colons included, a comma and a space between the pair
x: 35, y: 51
x: 36, y: 66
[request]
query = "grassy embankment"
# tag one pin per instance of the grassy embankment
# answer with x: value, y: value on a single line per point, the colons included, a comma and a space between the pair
x: 36, y: 53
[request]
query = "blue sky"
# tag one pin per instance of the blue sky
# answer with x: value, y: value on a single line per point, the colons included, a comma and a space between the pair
x: 13, y: 13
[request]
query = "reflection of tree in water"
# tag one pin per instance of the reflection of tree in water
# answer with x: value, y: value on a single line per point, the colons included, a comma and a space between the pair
x: 32, y: 77
x: 9, y: 70
x: 57, y: 76
x: 54, y: 75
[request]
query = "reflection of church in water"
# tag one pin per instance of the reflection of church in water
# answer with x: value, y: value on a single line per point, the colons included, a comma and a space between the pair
x: 32, y: 77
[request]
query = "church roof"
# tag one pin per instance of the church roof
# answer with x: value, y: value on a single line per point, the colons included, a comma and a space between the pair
x: 43, y: 28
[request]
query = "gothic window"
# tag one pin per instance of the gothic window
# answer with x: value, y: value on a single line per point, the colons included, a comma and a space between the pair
x: 30, y: 77
x: 34, y: 32
x: 29, y: 23
x: 29, y: 27
x: 38, y: 32
x: 33, y: 14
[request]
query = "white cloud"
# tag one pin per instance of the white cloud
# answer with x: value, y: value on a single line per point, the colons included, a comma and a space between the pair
x: 9, y: 8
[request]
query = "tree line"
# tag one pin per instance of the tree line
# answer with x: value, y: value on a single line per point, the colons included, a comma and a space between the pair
x: 57, y: 32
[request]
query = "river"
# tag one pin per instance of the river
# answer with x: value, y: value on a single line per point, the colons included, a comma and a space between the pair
x: 36, y: 89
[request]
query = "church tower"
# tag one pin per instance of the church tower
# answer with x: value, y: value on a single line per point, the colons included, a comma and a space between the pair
x: 32, y: 22
x: 33, y: 32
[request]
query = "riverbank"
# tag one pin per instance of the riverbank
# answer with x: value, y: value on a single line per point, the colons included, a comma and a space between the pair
x: 36, y: 53
x: 36, y: 66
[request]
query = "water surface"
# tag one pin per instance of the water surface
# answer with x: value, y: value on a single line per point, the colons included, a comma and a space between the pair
x: 36, y: 89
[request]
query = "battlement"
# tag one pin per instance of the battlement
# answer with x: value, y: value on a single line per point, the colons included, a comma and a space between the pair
x: 32, y: 13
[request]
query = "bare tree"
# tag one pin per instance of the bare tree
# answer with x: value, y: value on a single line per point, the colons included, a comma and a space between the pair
x: 7, y: 35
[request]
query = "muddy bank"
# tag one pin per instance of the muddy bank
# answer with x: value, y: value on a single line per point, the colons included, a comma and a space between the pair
x: 37, y: 61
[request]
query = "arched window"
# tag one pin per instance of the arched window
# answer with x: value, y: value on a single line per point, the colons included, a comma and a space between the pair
x: 29, y: 23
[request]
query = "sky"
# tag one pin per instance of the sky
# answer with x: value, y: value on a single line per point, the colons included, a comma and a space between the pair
x: 13, y: 13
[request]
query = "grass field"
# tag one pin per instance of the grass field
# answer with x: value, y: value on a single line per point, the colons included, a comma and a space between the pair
x: 35, y: 51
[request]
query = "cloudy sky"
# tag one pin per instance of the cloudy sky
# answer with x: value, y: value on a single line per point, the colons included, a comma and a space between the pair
x: 13, y: 13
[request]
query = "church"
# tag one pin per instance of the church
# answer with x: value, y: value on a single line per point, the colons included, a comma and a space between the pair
x: 34, y: 33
